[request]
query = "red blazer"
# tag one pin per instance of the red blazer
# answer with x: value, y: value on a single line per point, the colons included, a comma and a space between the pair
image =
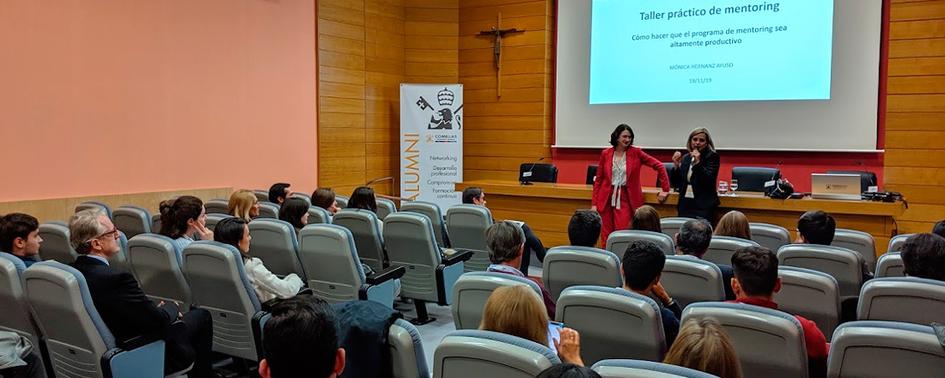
x: 636, y: 158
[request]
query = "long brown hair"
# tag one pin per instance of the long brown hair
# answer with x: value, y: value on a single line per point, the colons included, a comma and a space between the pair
x: 703, y: 345
x: 708, y: 138
x: 734, y: 223
x: 517, y: 311
x: 176, y: 212
x: 646, y: 218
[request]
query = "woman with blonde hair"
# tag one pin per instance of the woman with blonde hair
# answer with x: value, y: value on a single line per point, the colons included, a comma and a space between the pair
x: 734, y: 223
x: 703, y: 345
x: 646, y: 218
x: 697, y: 173
x: 518, y: 311
x: 244, y: 205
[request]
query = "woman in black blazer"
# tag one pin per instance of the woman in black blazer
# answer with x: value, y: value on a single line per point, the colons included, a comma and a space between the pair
x: 697, y: 174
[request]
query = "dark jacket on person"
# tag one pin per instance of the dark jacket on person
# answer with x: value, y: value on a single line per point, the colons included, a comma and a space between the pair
x: 704, y: 177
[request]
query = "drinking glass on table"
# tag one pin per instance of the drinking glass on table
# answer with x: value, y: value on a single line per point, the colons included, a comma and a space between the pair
x: 734, y: 186
x: 723, y: 187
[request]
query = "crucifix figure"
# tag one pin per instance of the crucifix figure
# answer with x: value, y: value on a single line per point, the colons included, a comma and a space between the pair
x: 497, y: 33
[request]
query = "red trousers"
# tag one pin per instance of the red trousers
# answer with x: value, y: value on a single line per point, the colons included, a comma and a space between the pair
x: 613, y: 219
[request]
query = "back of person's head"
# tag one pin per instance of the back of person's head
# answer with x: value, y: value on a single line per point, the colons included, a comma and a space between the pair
x: 566, y: 370
x: 176, y: 212
x: 735, y: 224
x: 939, y: 228
x: 13, y: 226
x: 923, y: 255
x: 363, y: 198
x: 646, y: 218
x: 642, y: 264
x: 241, y: 204
x: 817, y: 227
x: 278, y: 192
x: 584, y: 228
x: 703, y: 345
x: 694, y: 237
x: 518, y: 311
x: 323, y: 198
x: 84, y: 226
x: 301, y: 340
x: 471, y: 194
x: 756, y: 270
x: 505, y: 241
x: 295, y: 211
x: 230, y: 231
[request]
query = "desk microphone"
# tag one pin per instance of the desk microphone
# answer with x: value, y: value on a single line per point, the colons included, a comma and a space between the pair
x: 526, y: 176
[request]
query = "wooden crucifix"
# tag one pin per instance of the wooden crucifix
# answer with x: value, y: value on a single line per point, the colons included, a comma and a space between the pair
x: 497, y: 33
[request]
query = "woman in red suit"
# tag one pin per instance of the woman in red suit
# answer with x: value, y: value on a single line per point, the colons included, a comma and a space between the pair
x: 617, y: 191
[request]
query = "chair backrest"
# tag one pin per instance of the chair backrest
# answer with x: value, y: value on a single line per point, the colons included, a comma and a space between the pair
x: 769, y: 343
x: 217, y: 206
x: 569, y: 266
x: 466, y: 225
x: 94, y: 205
x: 363, y: 225
x: 671, y: 225
x: 811, y: 294
x: 120, y: 260
x: 770, y: 236
x: 867, y: 178
x: 411, y: 244
x: 885, y: 350
x: 538, y: 172
x: 671, y: 171
x: 591, y: 175
x: 618, y: 241
x: 156, y: 223
x: 219, y: 284
x: 613, y: 323
x: 903, y: 299
x: 276, y: 244
x: 752, y: 179
x: 342, y: 200
x: 432, y: 211
x: 895, y: 244
x: 406, y: 350
x: 261, y: 195
x: 644, y: 369
x: 157, y: 264
x: 307, y: 198
x: 472, y: 290
x: 721, y: 248
x: 473, y: 353
x: 76, y: 336
x: 132, y: 220
x: 857, y: 241
x: 268, y: 210
x: 318, y: 215
x: 841, y: 263
x: 692, y: 280
x: 330, y: 262
x: 385, y: 207
x: 890, y: 265
x: 17, y: 316
x: 55, y: 244
x: 213, y: 219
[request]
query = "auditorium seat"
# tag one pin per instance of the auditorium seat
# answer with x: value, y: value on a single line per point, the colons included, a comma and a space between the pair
x: 78, y: 340
x: 342, y: 201
x: 406, y: 351
x: 721, y: 248
x: 219, y: 284
x: 330, y: 261
x: 752, y: 179
x: 475, y: 354
x: 473, y: 289
x: 890, y: 265
x: 132, y: 220
x: 689, y: 280
x: 466, y: 225
x: 811, y: 294
x: 120, y: 260
x: 217, y: 206
x: 644, y: 369
x: 268, y: 210
x: 867, y: 178
x: 618, y: 241
x: 895, y: 244
x: 430, y: 276
x: 903, y: 299
x: 318, y: 215
x: 569, y: 266
x: 156, y: 223
x: 385, y: 207
x: 590, y: 175
x: 842, y: 264
x: 276, y: 244
x: 94, y: 205
x: 613, y: 323
x: 432, y: 211
x: 879, y: 349
x: 306, y: 197
x: 363, y: 225
x: 55, y: 245
x: 770, y: 236
x: 671, y: 172
x: 157, y: 264
x: 17, y: 314
x: 671, y: 225
x: 213, y: 219
x: 261, y: 195
x: 769, y: 343
x: 857, y: 241
x: 538, y: 172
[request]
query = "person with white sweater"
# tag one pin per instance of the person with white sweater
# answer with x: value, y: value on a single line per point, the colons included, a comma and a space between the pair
x: 268, y: 286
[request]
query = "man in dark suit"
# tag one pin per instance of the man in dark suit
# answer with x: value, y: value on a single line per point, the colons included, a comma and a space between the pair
x: 125, y: 309
x: 693, y: 239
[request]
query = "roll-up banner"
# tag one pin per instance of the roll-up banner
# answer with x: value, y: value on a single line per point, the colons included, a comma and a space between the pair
x: 431, y: 142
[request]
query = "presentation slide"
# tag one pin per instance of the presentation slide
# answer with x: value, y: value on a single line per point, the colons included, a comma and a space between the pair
x: 720, y: 50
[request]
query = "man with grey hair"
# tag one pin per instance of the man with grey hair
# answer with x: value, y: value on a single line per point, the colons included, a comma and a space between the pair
x: 125, y: 309
x: 693, y: 240
x: 506, y: 242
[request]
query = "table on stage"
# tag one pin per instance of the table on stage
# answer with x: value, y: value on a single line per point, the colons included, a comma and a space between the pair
x: 547, y: 208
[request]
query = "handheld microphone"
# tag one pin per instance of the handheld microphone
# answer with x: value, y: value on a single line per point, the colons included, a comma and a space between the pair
x: 526, y: 176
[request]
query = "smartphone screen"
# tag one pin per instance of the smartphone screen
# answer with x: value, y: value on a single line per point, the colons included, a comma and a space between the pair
x: 554, y: 333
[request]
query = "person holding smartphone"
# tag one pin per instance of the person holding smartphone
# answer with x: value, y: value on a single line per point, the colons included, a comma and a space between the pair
x: 696, y: 175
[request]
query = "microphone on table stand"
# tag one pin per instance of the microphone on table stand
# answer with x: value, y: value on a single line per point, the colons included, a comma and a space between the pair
x: 526, y: 176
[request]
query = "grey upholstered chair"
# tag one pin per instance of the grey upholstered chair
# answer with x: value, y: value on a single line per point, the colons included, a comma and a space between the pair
x: 903, y: 299
x: 885, y: 350
x: 644, y: 369
x: 365, y: 227
x: 811, y: 294
x: 432, y: 211
x: 276, y: 244
x: 618, y: 241
x: 473, y: 353
x: 132, y: 220
x: 721, y: 248
x: 770, y: 236
x: 472, y: 290
x: 568, y: 266
x: 466, y: 225
x: 157, y: 264
x: 691, y: 280
x: 55, y: 244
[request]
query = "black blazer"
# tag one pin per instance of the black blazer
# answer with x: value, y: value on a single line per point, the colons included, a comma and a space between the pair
x: 704, y: 177
x: 122, y: 304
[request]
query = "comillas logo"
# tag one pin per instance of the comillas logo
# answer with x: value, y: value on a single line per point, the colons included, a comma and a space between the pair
x: 445, y: 117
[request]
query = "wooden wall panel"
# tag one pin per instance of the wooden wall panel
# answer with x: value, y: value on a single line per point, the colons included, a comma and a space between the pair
x: 432, y: 33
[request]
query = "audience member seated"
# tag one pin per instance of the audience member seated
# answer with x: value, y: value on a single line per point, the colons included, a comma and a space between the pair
x: 756, y: 280
x: 939, y: 228
x: 923, y: 256
x: 565, y: 370
x: 125, y: 309
x: 693, y: 239
x: 278, y: 192
x: 182, y: 218
x: 735, y: 224
x: 584, y: 228
x: 641, y: 268
x: 243, y: 204
x: 475, y: 196
x: 703, y: 345
x: 818, y: 227
x: 506, y: 246
x: 325, y: 199
x: 19, y: 235
x: 515, y: 310
x: 268, y: 287
x: 363, y: 198
x: 19, y: 358
x: 294, y: 211
x: 301, y: 340
x: 646, y: 218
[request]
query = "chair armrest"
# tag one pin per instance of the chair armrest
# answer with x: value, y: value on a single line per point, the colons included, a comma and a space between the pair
x: 386, y: 275
x: 257, y: 326
x: 136, y: 342
x: 146, y: 360
x: 457, y: 257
